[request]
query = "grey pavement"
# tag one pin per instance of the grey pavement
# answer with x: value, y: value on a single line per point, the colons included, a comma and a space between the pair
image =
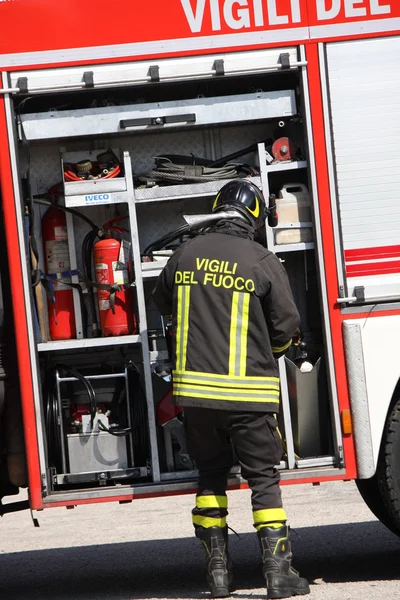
x: 146, y: 549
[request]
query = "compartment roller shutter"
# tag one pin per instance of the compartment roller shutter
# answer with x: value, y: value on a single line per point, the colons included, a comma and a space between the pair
x: 364, y: 92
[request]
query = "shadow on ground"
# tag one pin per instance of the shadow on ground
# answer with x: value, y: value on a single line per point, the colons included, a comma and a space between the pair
x: 174, y: 568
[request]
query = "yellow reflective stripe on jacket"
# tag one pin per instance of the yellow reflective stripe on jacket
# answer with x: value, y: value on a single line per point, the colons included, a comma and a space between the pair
x: 211, y: 502
x: 233, y: 330
x: 243, y: 336
x: 276, y: 349
x: 269, y: 515
x: 182, y: 325
x: 262, y: 383
x: 208, y: 521
x: 234, y: 396
x: 226, y: 391
x: 238, y: 334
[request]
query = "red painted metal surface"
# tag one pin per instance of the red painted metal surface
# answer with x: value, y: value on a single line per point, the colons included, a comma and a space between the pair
x: 335, y: 315
x: 194, y: 27
x: 21, y: 332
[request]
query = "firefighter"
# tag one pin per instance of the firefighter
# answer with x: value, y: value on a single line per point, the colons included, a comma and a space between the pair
x: 233, y: 315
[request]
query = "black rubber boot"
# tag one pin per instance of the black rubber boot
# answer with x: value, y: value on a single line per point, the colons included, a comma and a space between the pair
x: 281, y: 579
x: 219, y: 573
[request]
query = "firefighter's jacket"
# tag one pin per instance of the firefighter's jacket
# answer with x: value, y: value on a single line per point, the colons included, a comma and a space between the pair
x: 233, y: 314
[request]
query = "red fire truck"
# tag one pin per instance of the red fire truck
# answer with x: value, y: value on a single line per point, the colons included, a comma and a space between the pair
x: 117, y: 123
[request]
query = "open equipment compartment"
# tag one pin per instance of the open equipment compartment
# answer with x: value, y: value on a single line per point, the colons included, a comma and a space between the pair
x: 125, y: 438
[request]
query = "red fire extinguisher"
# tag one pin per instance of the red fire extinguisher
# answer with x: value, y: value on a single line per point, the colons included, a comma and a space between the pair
x: 116, y: 314
x: 56, y: 255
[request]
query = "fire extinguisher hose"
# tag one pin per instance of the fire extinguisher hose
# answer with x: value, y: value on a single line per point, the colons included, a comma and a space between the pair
x: 67, y: 209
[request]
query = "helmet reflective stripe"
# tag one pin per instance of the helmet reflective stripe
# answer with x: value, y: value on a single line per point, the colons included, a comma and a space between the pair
x: 256, y: 211
x: 216, y: 201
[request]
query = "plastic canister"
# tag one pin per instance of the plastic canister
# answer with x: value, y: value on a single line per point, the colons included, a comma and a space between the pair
x: 293, y: 206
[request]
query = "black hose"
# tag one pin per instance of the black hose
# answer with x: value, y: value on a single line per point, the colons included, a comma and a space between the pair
x: 87, y: 250
x: 139, y: 416
x: 167, y: 239
x: 69, y: 210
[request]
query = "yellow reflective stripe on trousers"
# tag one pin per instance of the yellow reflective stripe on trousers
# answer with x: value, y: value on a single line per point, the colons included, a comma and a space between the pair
x: 238, y: 334
x: 182, y: 325
x: 269, y: 515
x: 208, y: 521
x: 211, y: 502
x: 277, y: 349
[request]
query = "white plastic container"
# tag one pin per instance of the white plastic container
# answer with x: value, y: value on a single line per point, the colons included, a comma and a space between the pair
x: 293, y: 206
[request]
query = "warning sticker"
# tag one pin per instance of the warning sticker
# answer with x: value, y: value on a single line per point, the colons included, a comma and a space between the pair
x: 120, y: 274
x: 104, y: 305
x: 57, y: 259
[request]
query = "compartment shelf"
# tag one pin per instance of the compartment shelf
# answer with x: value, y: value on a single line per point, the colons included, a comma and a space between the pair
x: 208, y: 188
x: 183, y: 191
x: 88, y: 343
x: 294, y: 247
x: 286, y: 166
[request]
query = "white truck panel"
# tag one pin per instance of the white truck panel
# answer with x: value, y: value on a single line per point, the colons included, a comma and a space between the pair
x: 376, y: 345
x: 364, y: 88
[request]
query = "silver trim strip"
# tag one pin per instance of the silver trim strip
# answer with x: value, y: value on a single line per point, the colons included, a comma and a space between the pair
x: 331, y: 166
x: 27, y: 285
x: 169, y: 78
x: 320, y: 259
x: 359, y: 399
x: 355, y: 28
x: 156, y: 48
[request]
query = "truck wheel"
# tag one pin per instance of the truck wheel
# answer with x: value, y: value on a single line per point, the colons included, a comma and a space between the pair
x: 382, y: 492
x: 369, y: 490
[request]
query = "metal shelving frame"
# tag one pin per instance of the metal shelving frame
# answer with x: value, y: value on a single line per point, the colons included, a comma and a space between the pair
x: 141, y: 339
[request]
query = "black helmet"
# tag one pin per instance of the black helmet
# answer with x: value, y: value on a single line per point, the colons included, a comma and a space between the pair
x: 245, y: 197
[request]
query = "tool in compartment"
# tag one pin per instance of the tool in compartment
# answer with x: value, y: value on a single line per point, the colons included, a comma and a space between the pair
x: 107, y: 166
x: 283, y: 150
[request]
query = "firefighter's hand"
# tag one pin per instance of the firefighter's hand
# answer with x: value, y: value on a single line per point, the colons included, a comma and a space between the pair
x: 297, y: 337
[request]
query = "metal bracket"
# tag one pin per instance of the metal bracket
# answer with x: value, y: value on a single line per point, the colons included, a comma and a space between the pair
x: 22, y: 85
x: 88, y: 79
x: 284, y: 59
x: 154, y: 73
x: 359, y: 296
x: 218, y: 67
x: 187, y: 118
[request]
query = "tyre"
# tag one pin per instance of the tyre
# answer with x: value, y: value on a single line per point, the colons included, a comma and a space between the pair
x: 381, y: 493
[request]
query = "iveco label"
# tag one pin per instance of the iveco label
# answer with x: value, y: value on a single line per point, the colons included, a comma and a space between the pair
x: 92, y: 199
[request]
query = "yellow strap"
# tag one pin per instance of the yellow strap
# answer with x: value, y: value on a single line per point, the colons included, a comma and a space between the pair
x: 208, y: 521
x: 211, y: 502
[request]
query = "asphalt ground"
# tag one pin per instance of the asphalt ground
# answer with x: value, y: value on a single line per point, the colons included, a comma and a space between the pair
x: 146, y: 549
